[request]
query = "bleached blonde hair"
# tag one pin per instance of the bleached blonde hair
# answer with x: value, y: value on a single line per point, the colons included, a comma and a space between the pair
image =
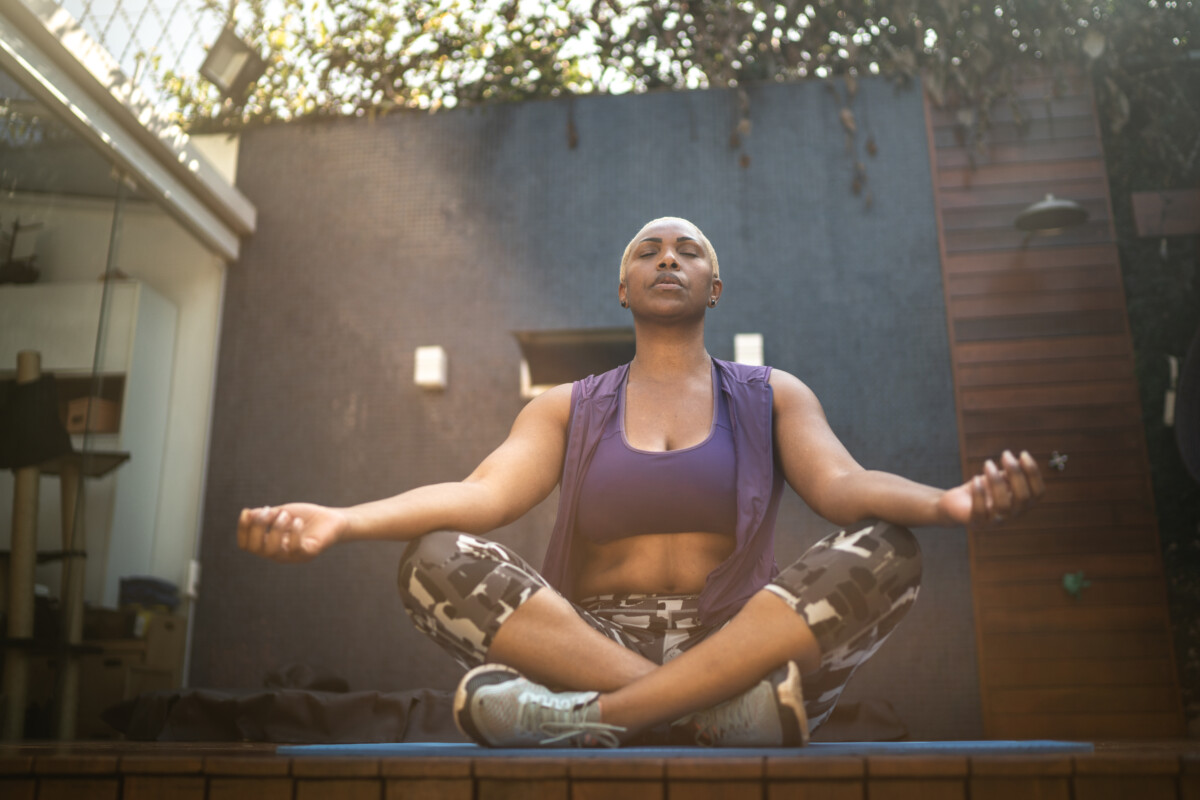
x: 708, y: 248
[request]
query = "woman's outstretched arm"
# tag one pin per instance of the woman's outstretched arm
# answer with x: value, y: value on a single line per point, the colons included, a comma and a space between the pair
x: 827, y: 477
x: 517, y: 476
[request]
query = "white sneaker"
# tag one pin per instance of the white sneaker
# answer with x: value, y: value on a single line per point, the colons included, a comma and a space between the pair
x: 497, y: 707
x: 770, y: 714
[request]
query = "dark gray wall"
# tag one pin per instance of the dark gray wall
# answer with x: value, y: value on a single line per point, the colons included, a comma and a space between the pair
x: 454, y: 229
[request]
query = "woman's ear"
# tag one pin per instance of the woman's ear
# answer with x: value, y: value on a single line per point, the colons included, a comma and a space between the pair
x: 621, y: 292
x: 715, y: 294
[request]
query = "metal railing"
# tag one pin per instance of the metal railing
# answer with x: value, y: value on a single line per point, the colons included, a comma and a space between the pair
x: 136, y: 32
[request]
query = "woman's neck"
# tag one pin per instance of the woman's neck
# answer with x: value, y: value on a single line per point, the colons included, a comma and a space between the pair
x: 670, y: 354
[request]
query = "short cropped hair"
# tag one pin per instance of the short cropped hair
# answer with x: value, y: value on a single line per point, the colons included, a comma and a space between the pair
x: 708, y: 248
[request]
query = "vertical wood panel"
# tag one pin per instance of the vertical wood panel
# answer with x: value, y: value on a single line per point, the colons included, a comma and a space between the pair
x: 1042, y: 360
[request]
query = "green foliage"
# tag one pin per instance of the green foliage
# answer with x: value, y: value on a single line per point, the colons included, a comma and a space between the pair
x: 1157, y: 146
x: 335, y: 57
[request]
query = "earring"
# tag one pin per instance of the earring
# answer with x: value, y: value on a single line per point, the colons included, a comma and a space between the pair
x: 624, y: 304
x: 712, y: 303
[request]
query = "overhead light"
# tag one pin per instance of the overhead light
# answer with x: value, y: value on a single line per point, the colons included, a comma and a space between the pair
x: 232, y: 65
x: 1052, y: 214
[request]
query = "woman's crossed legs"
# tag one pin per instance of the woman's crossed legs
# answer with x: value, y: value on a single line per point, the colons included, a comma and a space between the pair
x: 840, y: 601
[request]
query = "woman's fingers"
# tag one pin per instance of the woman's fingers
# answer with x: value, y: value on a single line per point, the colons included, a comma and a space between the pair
x: 1013, y: 486
x: 1036, y: 485
x: 1018, y: 482
x: 981, y: 507
x: 273, y: 543
x: 999, y: 492
x: 254, y: 529
x: 294, y: 532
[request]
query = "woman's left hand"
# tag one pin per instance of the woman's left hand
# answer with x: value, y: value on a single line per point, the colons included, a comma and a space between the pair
x: 1000, y: 493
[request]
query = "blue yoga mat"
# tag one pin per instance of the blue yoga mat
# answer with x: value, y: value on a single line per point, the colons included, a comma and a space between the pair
x: 815, y: 750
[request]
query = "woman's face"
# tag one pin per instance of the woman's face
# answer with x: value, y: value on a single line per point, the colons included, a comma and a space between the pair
x: 669, y: 271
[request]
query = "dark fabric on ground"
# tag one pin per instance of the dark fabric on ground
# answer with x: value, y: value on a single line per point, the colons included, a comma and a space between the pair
x: 296, y: 716
x: 286, y: 715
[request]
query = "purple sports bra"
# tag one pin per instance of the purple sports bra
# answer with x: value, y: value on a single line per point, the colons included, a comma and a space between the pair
x: 627, y: 492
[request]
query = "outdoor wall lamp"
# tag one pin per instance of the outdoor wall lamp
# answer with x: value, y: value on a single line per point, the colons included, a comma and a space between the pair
x: 1051, y: 215
x: 232, y: 65
x: 430, y: 368
x: 748, y: 349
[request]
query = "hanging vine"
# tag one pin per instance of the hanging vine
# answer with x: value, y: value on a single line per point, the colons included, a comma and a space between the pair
x: 369, y: 57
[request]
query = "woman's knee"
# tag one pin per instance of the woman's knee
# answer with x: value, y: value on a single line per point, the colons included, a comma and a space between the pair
x: 431, y: 548
x: 903, y: 561
x: 450, y: 577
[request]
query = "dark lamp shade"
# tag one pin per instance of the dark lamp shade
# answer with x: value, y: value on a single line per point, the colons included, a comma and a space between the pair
x: 232, y: 65
x: 30, y: 429
x: 1051, y: 214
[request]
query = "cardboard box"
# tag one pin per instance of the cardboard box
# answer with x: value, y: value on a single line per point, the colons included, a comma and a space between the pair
x: 94, y: 414
x: 166, y: 636
x: 104, y: 680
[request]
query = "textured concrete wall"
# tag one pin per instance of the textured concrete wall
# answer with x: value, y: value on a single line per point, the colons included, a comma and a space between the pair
x: 378, y: 237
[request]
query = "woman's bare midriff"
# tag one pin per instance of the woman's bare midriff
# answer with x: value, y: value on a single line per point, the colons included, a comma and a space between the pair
x: 654, y: 563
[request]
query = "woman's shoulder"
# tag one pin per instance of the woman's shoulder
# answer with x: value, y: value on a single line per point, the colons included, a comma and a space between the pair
x: 744, y: 373
x: 789, y: 391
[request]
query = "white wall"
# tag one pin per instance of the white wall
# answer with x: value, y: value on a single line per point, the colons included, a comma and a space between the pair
x: 153, y: 248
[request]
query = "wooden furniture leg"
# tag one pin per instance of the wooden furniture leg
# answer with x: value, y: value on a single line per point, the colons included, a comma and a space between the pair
x: 22, y: 563
x: 73, y: 569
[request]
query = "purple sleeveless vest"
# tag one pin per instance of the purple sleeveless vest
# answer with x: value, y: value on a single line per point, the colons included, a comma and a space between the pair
x: 759, y: 484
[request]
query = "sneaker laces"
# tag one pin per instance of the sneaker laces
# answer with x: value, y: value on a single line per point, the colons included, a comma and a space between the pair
x: 593, y: 733
x: 563, y: 721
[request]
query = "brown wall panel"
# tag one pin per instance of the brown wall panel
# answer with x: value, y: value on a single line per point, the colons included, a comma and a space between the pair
x: 1098, y: 418
x: 1022, y: 194
x: 1043, y: 361
x: 992, y: 214
x: 1059, y: 370
x: 1072, y: 618
x: 977, y: 239
x: 1032, y: 151
x: 1107, y: 645
x: 1032, y: 259
x: 1040, y: 349
x: 1055, y: 672
x: 1085, y: 700
x: 1012, y: 133
x: 1033, y: 326
x: 1099, y: 513
x: 1019, y: 174
x: 1097, y: 726
x: 1048, y: 542
x: 1096, y: 566
x: 1038, y: 301
x: 1095, y: 393
x: 1052, y: 108
x: 1116, y: 443
x: 1050, y: 594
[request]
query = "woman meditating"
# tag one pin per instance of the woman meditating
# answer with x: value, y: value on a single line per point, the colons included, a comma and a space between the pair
x: 659, y: 605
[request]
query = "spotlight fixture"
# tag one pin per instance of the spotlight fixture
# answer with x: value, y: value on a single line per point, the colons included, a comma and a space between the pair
x: 1051, y: 215
x: 232, y: 65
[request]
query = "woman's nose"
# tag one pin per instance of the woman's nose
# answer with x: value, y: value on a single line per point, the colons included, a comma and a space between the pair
x: 668, y: 260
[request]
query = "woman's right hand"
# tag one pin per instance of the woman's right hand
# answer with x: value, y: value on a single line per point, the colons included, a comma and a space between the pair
x: 290, y: 533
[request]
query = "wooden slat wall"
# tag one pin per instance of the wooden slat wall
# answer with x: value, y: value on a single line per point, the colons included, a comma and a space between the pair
x: 1043, y: 361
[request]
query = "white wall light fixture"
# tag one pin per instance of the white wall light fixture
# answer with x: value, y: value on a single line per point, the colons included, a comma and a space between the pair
x: 430, y: 370
x: 748, y: 349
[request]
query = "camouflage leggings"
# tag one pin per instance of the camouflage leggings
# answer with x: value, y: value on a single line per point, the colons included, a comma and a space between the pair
x: 852, y: 588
